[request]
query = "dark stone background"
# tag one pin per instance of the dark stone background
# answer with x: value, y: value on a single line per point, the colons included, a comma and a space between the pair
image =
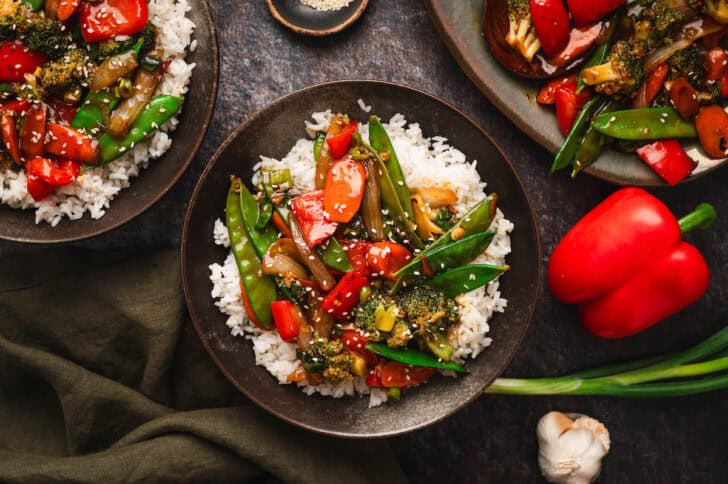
x: 675, y: 440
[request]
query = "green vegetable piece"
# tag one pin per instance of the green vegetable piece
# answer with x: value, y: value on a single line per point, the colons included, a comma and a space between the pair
x: 159, y: 110
x: 567, y: 152
x: 34, y: 4
x: 390, y: 198
x: 318, y: 144
x: 263, y: 238
x: 394, y: 393
x: 475, y: 220
x: 265, y: 212
x: 644, y: 124
x: 379, y: 139
x: 261, y: 290
x: 448, y: 256
x: 593, y: 142
x: 413, y: 357
x: 95, y: 111
x: 439, y: 346
x: 334, y: 256
x: 465, y: 279
x: 599, y: 57
x: 277, y: 181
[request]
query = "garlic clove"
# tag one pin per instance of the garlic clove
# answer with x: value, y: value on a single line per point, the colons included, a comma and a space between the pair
x: 552, y: 425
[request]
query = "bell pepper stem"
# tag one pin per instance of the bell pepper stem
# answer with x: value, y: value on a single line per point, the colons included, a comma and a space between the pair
x: 700, y: 218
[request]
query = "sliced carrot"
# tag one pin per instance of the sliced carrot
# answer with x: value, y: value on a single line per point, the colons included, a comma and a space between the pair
x: 712, y: 126
x: 344, y: 189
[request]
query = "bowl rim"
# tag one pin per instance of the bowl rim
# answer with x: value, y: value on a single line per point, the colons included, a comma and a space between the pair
x: 171, y: 182
x: 318, y: 32
x: 518, y: 121
x: 196, y: 317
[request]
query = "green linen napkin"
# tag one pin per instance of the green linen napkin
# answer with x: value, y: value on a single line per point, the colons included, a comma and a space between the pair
x: 102, y: 379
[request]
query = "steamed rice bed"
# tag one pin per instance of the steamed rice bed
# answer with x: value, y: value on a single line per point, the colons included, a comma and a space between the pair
x: 426, y: 162
x: 94, y: 190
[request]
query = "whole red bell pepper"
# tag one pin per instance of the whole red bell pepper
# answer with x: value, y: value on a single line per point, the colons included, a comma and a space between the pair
x: 587, y: 11
x: 16, y: 61
x: 551, y: 22
x: 312, y: 217
x: 626, y: 266
x: 668, y: 159
x: 107, y: 19
x: 345, y: 295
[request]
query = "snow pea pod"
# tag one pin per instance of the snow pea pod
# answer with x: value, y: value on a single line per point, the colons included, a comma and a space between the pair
x: 260, y: 238
x: 265, y: 212
x: 583, y: 122
x: 34, y: 4
x: 318, y: 144
x: 260, y: 289
x: 448, y: 256
x: 593, y: 142
x: 159, y: 110
x: 379, y: 139
x: 95, y: 111
x: 413, y: 357
x: 465, y: 279
x: 334, y: 256
x: 390, y: 199
x: 475, y: 220
x: 644, y: 124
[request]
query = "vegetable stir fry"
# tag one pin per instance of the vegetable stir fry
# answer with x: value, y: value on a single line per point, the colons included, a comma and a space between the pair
x: 361, y: 273
x: 78, y: 82
x: 655, y: 73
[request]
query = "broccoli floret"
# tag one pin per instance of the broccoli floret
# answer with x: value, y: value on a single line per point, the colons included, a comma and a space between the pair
x: 46, y: 35
x: 660, y: 22
x: 68, y: 71
x: 445, y: 219
x: 329, y: 358
x: 622, y: 73
x: 689, y: 63
x: 12, y: 14
x: 427, y: 310
x: 108, y: 48
x: 364, y: 315
x: 401, y: 334
x: 521, y: 33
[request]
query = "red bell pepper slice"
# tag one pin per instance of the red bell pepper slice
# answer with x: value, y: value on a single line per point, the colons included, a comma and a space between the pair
x: 580, y: 40
x: 399, y: 375
x: 33, y: 131
x: 547, y: 94
x: 66, y: 9
x: 16, y: 61
x: 711, y: 124
x: 339, y: 144
x: 651, y: 86
x: 668, y: 159
x: 73, y: 144
x: 109, y: 18
x: 683, y: 97
x: 288, y: 319
x: 588, y: 11
x: 15, y: 106
x: 568, y: 104
x: 55, y: 174
x: 10, y: 136
x: 357, y: 252
x: 342, y: 299
x: 312, y: 217
x: 620, y: 264
x: 717, y: 63
x: 551, y: 22
x: 374, y: 379
x: 357, y: 342
x: 724, y: 85
x: 344, y: 189
x: 60, y: 112
x: 386, y: 258
x: 38, y: 189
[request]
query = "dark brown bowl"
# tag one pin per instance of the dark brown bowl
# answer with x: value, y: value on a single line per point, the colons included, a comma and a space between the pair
x: 459, y: 23
x: 162, y: 174
x: 306, y: 20
x: 272, y: 132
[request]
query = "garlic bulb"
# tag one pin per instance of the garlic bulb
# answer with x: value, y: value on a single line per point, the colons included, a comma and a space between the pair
x: 571, y: 451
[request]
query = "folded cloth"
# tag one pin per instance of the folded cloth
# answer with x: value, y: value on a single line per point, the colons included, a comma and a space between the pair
x: 102, y: 379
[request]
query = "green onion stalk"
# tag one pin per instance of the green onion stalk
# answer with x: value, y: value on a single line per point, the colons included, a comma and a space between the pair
x: 663, y: 376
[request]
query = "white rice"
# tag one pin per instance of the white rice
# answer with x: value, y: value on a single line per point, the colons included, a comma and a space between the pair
x: 93, y: 191
x: 426, y: 162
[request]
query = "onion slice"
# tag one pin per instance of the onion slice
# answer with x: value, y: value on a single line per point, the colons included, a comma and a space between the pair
x: 371, y: 205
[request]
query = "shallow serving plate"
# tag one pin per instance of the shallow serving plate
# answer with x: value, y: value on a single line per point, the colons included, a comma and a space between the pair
x: 272, y: 132
x: 155, y: 181
x: 460, y: 25
x: 306, y: 20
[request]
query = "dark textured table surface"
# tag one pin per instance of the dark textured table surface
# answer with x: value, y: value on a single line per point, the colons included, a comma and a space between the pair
x: 676, y: 440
